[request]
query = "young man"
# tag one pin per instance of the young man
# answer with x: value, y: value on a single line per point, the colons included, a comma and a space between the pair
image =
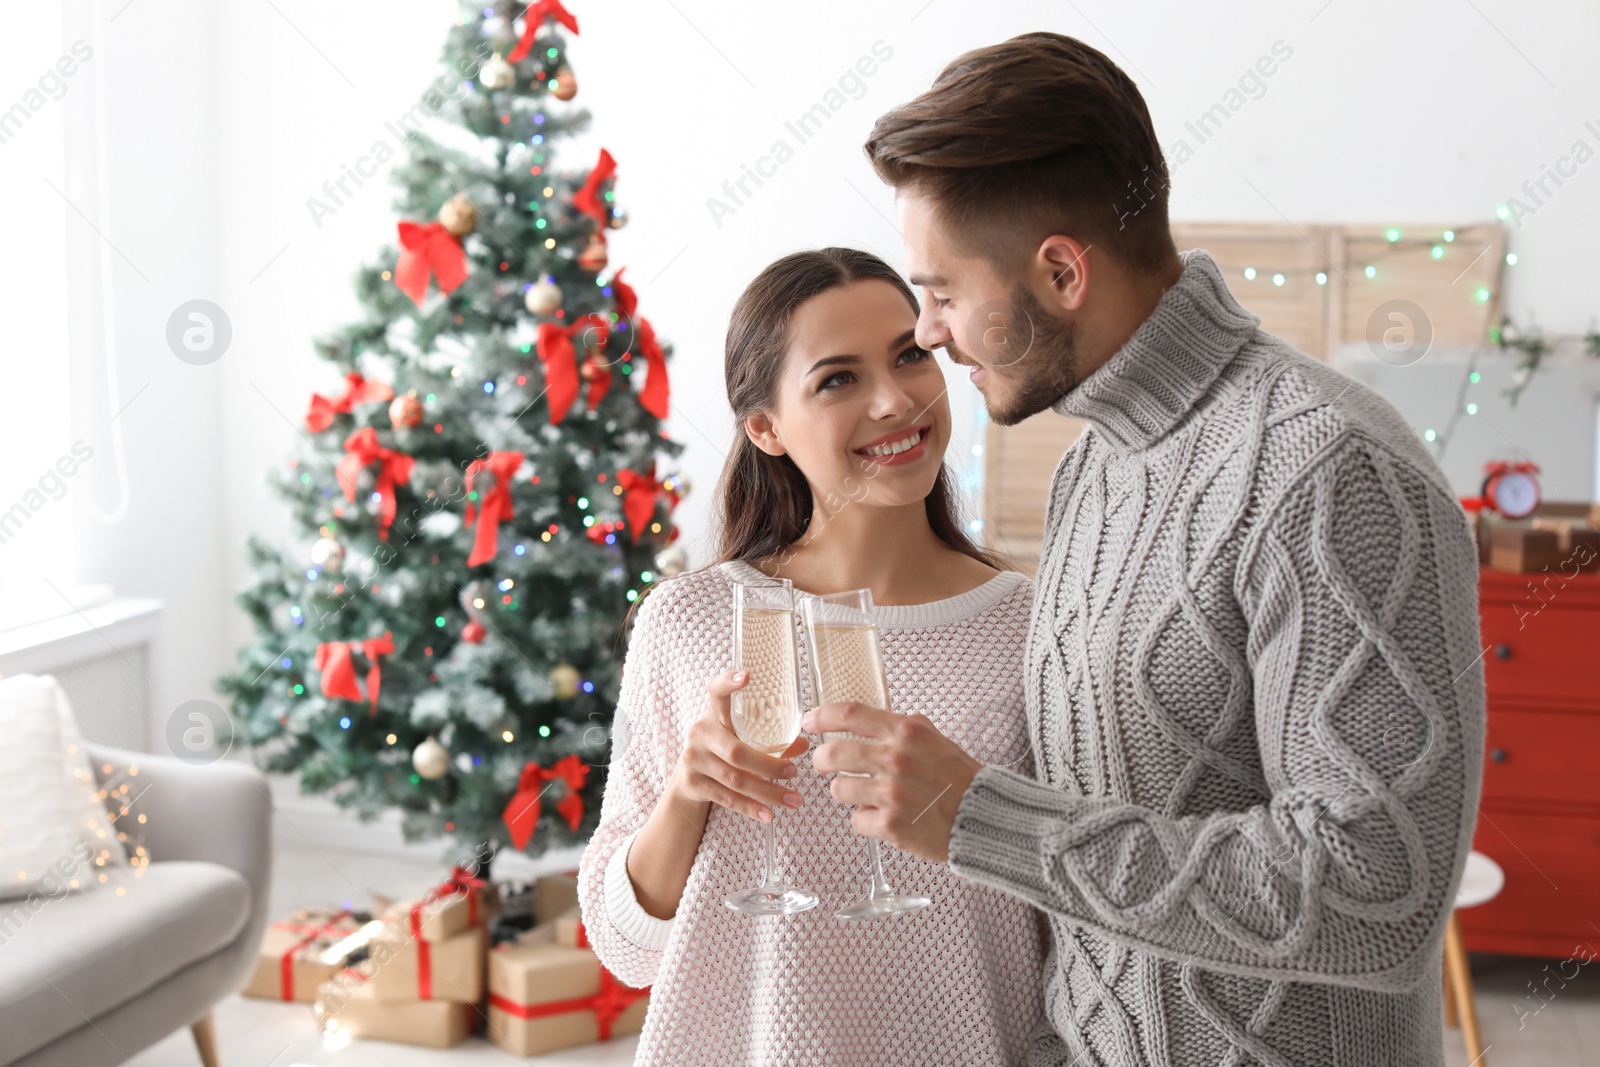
x: 1254, y: 681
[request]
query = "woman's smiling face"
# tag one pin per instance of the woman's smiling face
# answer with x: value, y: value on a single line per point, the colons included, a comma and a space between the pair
x: 860, y: 408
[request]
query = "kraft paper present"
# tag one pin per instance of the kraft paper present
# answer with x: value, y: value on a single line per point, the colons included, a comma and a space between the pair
x: 545, y: 996
x: 444, y: 911
x: 569, y: 929
x: 407, y: 968
x: 300, y: 953
x: 348, y: 1004
x: 554, y: 894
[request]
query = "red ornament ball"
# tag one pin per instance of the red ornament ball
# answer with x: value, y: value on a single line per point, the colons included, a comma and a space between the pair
x: 405, y: 412
x: 473, y: 633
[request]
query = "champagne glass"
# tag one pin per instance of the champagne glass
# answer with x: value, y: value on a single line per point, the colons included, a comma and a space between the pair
x: 766, y: 715
x: 847, y: 665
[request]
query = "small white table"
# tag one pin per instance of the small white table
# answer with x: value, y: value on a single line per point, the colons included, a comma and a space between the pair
x: 1481, y: 882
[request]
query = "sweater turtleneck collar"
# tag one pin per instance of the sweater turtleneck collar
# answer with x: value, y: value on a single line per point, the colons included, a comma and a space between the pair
x: 1147, y: 387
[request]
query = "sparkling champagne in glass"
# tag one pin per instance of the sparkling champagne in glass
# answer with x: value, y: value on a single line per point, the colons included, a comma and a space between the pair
x: 847, y: 665
x: 766, y: 715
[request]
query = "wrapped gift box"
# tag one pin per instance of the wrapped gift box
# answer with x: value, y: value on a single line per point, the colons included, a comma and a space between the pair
x: 347, y: 1004
x: 554, y: 894
x: 407, y: 968
x: 545, y: 996
x: 305, y: 950
x: 446, y: 910
x: 569, y: 929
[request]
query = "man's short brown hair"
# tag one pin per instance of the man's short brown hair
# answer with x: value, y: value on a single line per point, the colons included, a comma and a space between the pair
x: 1037, y: 135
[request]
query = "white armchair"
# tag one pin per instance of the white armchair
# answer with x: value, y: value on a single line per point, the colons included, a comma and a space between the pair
x: 93, y: 977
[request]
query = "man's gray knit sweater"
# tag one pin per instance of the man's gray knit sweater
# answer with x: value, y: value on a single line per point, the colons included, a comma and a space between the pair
x: 1255, y: 690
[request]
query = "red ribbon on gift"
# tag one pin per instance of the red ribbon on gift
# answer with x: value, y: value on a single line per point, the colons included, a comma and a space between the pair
x: 394, y: 468
x: 495, y: 505
x: 639, y: 491
x: 460, y: 881
x: 556, y: 352
x: 533, y: 21
x: 654, y: 396
x: 339, y: 673
x: 428, y: 248
x: 310, y: 934
x: 357, y: 390
x: 587, y: 199
x: 608, y: 1004
x: 522, y: 814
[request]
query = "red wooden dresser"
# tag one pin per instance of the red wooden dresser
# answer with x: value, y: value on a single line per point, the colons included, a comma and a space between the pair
x: 1540, y: 816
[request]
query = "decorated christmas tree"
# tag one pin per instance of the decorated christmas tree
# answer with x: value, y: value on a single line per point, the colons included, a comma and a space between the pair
x: 479, y: 501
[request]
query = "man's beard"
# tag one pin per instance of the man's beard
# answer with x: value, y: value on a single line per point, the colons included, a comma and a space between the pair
x: 1047, y: 370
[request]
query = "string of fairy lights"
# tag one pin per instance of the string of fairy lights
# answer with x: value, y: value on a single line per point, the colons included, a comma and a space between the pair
x: 1528, y: 345
x: 1435, y: 245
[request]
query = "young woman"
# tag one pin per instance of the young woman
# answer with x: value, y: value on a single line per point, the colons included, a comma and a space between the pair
x: 836, y: 482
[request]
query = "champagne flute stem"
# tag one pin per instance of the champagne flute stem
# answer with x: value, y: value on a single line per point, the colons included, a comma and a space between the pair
x: 880, y: 886
x: 770, y: 878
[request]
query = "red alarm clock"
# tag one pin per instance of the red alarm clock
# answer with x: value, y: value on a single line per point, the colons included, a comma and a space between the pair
x: 1511, y: 490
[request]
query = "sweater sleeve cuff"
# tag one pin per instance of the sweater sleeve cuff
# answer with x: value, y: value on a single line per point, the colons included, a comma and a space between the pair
x: 1002, y: 835
x: 622, y: 905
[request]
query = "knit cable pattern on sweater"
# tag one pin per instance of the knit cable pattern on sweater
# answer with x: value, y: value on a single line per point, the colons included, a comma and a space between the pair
x: 958, y: 982
x: 1255, y: 696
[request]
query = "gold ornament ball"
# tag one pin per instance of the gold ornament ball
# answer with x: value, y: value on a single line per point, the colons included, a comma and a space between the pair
x: 431, y: 759
x: 496, y: 73
x: 593, y: 257
x: 405, y: 412
x: 671, y: 561
x: 327, y: 554
x: 564, y: 680
x: 458, y: 215
x: 543, y: 298
x: 565, y: 84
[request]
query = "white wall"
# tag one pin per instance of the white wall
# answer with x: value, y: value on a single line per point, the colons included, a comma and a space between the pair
x: 227, y: 117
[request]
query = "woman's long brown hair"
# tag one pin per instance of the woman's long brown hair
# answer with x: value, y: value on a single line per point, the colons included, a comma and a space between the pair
x: 765, y: 503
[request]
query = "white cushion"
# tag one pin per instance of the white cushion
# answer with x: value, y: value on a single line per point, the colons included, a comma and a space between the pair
x: 97, y: 830
x: 52, y: 824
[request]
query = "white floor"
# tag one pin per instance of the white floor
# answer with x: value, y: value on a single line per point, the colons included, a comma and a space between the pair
x: 1519, y: 1032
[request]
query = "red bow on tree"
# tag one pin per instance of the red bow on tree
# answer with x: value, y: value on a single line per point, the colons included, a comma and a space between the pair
x: 357, y: 390
x: 627, y: 299
x: 639, y: 491
x: 587, y: 199
x: 394, y: 468
x: 425, y: 248
x: 533, y: 21
x: 653, y: 397
x: 494, y: 506
x: 339, y: 673
x: 522, y: 814
x: 554, y: 344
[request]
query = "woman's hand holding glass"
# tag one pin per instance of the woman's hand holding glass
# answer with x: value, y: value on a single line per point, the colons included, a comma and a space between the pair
x: 718, y: 768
